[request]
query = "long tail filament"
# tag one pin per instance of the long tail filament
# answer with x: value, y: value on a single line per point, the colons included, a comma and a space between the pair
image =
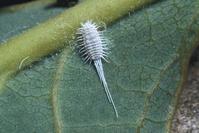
x: 100, y: 71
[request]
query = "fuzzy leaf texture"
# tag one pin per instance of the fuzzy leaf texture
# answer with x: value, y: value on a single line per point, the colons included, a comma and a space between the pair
x: 150, y: 49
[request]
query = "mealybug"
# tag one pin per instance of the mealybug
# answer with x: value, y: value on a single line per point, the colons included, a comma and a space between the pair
x: 93, y: 48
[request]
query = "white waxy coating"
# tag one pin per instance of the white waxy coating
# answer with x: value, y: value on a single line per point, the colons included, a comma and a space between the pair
x: 92, y: 42
x: 93, y: 47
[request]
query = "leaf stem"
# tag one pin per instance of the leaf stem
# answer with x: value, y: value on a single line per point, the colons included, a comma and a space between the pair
x: 56, y: 32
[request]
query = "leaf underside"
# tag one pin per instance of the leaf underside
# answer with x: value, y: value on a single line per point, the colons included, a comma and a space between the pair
x: 149, y: 51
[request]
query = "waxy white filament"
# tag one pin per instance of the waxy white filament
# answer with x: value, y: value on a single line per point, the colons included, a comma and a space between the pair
x: 93, y: 48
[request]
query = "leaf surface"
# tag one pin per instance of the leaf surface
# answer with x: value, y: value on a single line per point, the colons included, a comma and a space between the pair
x: 150, y: 49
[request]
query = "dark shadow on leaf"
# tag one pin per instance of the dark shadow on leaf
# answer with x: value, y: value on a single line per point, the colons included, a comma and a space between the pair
x: 6, y: 3
x: 62, y: 3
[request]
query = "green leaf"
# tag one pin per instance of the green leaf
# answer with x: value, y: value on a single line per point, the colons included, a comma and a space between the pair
x: 54, y: 33
x: 150, y: 49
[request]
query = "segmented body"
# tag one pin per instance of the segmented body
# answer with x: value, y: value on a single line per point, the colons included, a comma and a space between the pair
x: 93, y: 48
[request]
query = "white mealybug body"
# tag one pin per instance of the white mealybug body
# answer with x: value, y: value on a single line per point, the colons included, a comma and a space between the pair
x: 93, y: 48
